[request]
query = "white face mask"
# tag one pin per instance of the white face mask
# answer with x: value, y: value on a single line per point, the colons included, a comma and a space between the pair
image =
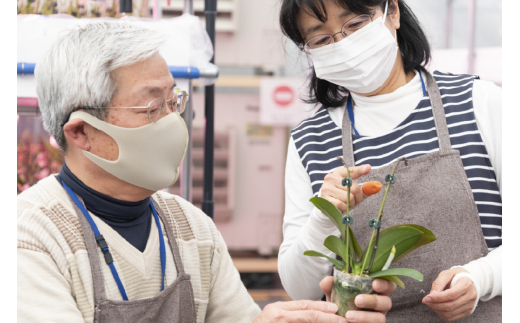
x: 360, y: 62
x: 149, y: 156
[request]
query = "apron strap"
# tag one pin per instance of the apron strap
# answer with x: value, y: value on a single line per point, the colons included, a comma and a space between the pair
x: 169, y: 233
x: 348, y: 147
x: 92, y: 250
x: 439, y: 118
x: 438, y: 113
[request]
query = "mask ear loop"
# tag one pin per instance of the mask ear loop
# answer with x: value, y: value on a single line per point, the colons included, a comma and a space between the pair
x: 386, y: 11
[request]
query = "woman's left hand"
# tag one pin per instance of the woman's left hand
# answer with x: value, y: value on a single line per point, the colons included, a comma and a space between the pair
x: 453, y: 303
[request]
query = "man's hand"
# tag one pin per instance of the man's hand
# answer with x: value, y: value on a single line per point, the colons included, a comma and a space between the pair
x: 381, y: 303
x: 300, y: 312
x: 453, y: 303
x: 334, y: 192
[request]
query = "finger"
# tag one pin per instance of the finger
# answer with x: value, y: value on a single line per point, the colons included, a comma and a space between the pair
x: 358, y: 171
x: 312, y: 316
x: 340, y: 204
x: 356, y: 194
x: 375, y: 302
x: 326, y: 286
x: 451, y: 310
x: 449, y: 295
x: 442, y: 280
x: 365, y: 317
x: 383, y: 287
x: 304, y: 305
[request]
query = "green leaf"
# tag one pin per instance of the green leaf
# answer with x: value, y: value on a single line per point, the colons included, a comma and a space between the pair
x: 354, y: 245
x: 394, y: 279
x: 402, y: 237
x: 426, y: 238
x: 329, y: 210
x: 337, y: 246
x: 338, y: 263
x: 398, y: 272
x: 356, y: 268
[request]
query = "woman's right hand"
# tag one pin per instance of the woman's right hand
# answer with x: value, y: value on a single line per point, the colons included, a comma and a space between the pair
x: 334, y: 192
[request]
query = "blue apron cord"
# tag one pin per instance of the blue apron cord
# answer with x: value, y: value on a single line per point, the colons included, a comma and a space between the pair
x: 104, y: 247
x: 161, y: 245
x: 351, y: 114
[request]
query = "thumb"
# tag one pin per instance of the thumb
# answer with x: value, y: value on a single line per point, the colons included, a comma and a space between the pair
x: 443, y: 280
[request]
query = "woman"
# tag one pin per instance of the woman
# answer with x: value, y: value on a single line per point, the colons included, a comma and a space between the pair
x: 377, y: 102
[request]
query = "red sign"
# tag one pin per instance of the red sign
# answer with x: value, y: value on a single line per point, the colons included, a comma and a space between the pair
x: 283, y: 95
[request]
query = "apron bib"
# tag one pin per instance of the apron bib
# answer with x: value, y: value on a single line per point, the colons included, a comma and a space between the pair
x: 432, y: 191
x: 174, y: 304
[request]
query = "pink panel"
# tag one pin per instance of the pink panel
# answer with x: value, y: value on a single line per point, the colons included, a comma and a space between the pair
x: 27, y: 102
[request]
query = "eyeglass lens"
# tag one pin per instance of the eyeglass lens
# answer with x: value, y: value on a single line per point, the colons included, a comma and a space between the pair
x: 348, y: 29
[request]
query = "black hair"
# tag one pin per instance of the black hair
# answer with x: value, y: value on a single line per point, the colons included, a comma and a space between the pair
x: 413, y: 44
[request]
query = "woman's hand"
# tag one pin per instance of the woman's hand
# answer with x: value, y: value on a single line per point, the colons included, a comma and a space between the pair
x: 334, y: 192
x: 453, y: 303
x: 380, y: 303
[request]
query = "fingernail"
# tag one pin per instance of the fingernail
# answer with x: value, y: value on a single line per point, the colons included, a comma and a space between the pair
x: 377, y: 284
x: 428, y: 300
x: 331, y: 307
x: 351, y: 316
x: 360, y: 301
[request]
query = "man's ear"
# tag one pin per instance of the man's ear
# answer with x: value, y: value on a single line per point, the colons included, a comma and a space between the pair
x: 76, y: 132
x: 396, y: 15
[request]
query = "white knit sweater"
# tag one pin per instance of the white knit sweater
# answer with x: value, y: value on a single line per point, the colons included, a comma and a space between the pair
x: 54, y: 276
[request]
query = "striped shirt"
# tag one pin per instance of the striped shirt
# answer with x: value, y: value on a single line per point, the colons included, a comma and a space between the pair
x: 318, y: 142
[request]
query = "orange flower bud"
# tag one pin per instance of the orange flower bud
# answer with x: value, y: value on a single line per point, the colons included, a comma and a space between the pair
x: 371, y: 188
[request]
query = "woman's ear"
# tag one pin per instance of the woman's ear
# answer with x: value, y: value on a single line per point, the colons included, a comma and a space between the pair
x: 76, y: 133
x: 395, y: 15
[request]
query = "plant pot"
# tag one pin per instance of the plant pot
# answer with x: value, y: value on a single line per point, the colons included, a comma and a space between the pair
x: 346, y: 288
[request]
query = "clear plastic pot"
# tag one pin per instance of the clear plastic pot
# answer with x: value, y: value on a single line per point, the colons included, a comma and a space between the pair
x: 346, y: 288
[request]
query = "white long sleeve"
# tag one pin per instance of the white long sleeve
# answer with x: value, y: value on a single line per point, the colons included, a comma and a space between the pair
x: 306, y: 228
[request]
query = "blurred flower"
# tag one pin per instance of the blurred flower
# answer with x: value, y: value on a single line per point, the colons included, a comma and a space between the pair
x: 35, y: 159
x: 43, y: 173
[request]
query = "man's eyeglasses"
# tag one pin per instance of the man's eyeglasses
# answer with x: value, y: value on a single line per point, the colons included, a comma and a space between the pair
x: 155, y: 109
x: 348, y: 29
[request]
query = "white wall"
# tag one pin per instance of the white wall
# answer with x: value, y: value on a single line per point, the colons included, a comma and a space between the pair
x: 257, y: 40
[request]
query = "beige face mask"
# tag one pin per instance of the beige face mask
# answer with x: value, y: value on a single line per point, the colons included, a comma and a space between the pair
x: 149, y: 156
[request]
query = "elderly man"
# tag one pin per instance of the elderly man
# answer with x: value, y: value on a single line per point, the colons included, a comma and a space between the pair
x: 97, y: 242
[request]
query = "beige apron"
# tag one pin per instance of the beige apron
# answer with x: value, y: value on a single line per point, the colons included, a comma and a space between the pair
x: 432, y: 191
x: 175, y: 304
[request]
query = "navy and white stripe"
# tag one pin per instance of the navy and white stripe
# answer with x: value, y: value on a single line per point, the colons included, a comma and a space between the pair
x: 318, y: 141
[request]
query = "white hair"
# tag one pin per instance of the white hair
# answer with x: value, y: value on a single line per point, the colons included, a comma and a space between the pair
x: 76, y: 71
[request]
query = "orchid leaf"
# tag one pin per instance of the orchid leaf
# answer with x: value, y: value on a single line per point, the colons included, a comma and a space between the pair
x: 425, y: 239
x: 337, y: 246
x: 398, y: 272
x: 338, y: 263
x: 354, y: 245
x: 330, y: 210
x: 402, y: 237
x: 394, y: 279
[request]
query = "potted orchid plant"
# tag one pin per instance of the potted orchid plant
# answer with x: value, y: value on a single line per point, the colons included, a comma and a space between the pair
x: 356, y: 268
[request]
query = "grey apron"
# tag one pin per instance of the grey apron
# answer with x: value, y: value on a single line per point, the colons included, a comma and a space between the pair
x: 432, y: 191
x: 175, y: 304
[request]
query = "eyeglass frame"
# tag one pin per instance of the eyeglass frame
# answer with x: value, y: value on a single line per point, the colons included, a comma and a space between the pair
x: 181, y: 110
x: 303, y: 48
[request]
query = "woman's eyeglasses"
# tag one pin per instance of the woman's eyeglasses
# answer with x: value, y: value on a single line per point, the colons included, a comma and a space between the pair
x: 348, y: 29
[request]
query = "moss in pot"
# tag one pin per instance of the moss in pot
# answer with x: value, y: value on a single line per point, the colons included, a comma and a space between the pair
x: 356, y: 268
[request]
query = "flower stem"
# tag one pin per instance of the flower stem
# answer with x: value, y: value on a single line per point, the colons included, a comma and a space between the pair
x: 379, y: 215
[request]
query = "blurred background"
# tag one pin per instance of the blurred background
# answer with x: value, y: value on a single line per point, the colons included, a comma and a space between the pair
x: 262, y: 77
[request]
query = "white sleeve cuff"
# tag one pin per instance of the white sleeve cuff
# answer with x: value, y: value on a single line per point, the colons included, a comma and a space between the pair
x: 475, y: 283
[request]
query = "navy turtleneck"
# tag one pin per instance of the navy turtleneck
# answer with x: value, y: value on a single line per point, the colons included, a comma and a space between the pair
x: 132, y: 220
